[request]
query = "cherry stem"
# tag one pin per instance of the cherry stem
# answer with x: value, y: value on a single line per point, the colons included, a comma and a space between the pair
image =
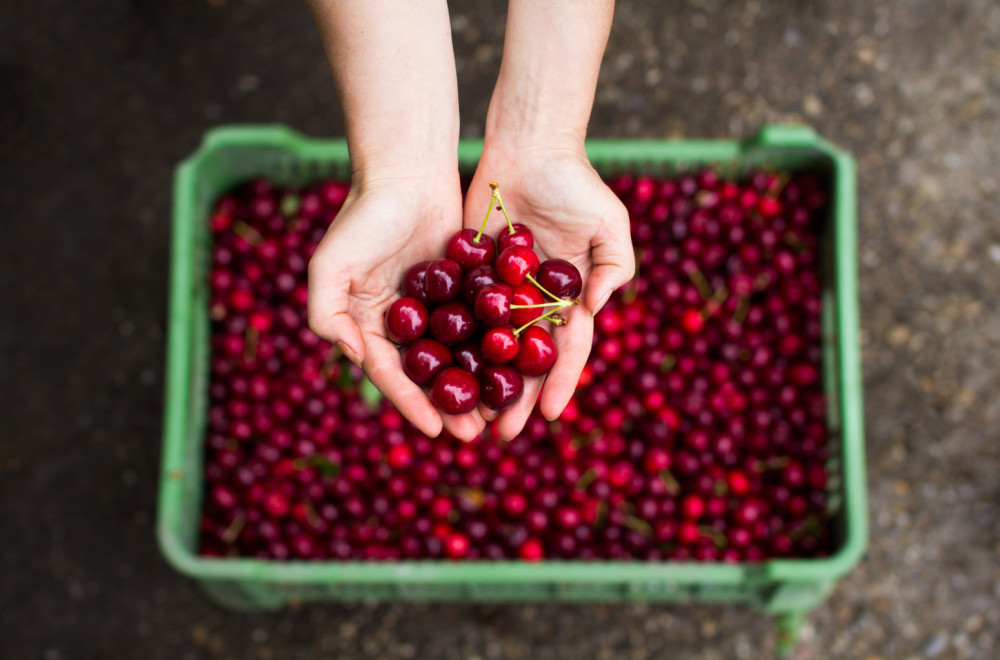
x: 482, y: 227
x: 638, y: 525
x: 717, y: 537
x: 741, y: 310
x: 561, y: 305
x: 250, y: 349
x: 495, y: 187
x: 543, y: 289
x: 235, y: 528
x: 247, y: 233
x: 704, y: 288
x: 547, y: 317
x: 670, y: 482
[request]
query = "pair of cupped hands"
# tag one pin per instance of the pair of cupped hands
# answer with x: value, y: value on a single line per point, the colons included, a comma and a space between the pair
x: 389, y: 223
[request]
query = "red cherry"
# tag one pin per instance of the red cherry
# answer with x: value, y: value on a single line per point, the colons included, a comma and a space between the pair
x: 452, y: 323
x: 520, y: 236
x: 560, y: 278
x: 455, y: 391
x: 456, y: 545
x: 501, y: 386
x: 476, y: 279
x: 413, y: 282
x: 468, y: 252
x: 442, y: 280
x: 537, y: 353
x: 424, y: 359
x: 492, y: 305
x: 499, y: 345
x: 526, y: 294
x: 406, y: 320
x: 469, y: 357
x: 531, y: 550
x: 515, y: 263
x: 692, y: 321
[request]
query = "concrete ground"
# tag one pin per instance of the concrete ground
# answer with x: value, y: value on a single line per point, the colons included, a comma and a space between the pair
x: 98, y: 100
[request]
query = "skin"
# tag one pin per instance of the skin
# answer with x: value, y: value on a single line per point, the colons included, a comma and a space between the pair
x: 394, y: 70
x: 534, y: 147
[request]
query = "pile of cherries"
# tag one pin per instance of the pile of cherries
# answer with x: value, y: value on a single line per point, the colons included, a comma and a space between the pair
x: 697, y: 433
x: 480, y: 305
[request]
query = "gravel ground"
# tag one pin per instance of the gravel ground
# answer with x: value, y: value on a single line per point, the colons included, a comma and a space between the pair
x: 98, y: 100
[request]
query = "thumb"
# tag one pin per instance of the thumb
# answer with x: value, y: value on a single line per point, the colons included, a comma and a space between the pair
x: 329, y: 312
x: 614, y: 261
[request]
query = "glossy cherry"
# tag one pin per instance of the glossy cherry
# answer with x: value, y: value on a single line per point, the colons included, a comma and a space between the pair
x: 468, y: 356
x: 526, y: 294
x: 499, y: 345
x: 406, y: 320
x: 501, y: 386
x: 424, y: 359
x: 413, y: 282
x: 537, y: 353
x: 443, y: 280
x: 476, y: 279
x: 520, y: 236
x: 492, y: 306
x: 516, y: 263
x: 560, y: 278
x: 452, y: 322
x: 468, y: 251
x: 455, y: 391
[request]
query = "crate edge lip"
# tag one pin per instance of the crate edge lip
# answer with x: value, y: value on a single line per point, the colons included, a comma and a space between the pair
x: 550, y: 572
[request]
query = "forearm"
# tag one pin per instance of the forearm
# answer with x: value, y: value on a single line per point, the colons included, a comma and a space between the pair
x: 552, y: 57
x: 394, y: 70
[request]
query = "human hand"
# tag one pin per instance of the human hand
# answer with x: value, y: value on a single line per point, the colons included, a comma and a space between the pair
x: 574, y: 216
x: 385, y: 227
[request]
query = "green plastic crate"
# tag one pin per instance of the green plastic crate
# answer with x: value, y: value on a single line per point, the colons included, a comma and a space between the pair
x: 789, y: 588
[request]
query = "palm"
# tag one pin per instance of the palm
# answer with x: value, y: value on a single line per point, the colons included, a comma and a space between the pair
x: 573, y: 216
x: 355, y: 276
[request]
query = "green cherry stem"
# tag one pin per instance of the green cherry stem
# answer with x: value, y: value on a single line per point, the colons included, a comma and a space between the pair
x: 482, y: 227
x: 544, y: 317
x: 562, y: 304
x: 543, y: 289
x: 495, y: 187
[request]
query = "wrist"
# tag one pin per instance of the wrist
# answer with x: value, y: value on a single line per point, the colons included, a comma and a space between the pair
x: 522, y: 118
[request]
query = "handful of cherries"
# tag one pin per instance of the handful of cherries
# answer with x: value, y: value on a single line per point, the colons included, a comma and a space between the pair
x: 468, y: 323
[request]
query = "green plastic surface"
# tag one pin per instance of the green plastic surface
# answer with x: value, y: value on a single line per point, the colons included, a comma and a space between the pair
x: 230, y: 155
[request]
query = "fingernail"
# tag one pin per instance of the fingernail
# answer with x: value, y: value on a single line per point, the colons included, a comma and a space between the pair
x: 349, y: 352
x: 602, y: 303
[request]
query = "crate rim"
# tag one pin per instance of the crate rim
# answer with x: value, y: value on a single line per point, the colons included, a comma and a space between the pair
x: 694, y: 152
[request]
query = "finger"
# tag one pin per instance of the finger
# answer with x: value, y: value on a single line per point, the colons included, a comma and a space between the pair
x: 614, y: 260
x: 488, y: 413
x: 513, y: 419
x: 328, y: 311
x: 385, y: 370
x: 465, y: 427
x: 573, y: 341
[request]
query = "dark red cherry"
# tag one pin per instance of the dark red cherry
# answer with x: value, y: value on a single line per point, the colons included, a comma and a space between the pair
x: 468, y: 252
x: 499, y: 345
x: 526, y: 294
x: 443, y: 280
x: 452, y: 323
x: 537, y: 353
x: 560, y: 278
x: 455, y: 391
x: 516, y: 263
x: 492, y: 306
x: 413, y: 282
x: 424, y: 359
x: 406, y: 320
x: 469, y: 357
x: 521, y: 236
x: 500, y: 386
x: 476, y: 279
